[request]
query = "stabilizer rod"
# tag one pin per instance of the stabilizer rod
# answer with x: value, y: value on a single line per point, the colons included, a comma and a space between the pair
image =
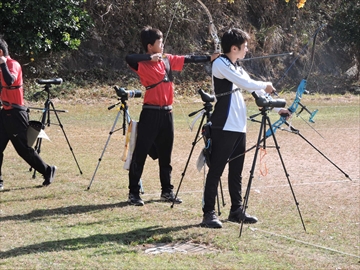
x: 296, y: 131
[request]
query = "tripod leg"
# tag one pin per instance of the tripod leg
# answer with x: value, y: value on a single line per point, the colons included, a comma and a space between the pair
x: 67, y: 140
x: 286, y: 173
x: 218, y: 203
x: 222, y: 193
x: 44, y: 117
x: 247, y: 193
x: 37, y: 149
x: 107, y: 142
x: 188, y: 160
x: 141, y: 187
x: 298, y: 133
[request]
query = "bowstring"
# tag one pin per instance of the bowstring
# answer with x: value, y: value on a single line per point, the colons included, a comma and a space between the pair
x: 165, y: 39
x: 171, y: 22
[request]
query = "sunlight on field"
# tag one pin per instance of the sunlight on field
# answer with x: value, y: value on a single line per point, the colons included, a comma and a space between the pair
x: 68, y: 226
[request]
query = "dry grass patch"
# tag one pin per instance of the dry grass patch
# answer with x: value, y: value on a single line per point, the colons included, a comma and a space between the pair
x: 67, y: 226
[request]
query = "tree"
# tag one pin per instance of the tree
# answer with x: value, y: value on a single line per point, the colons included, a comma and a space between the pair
x: 346, y: 25
x: 33, y: 27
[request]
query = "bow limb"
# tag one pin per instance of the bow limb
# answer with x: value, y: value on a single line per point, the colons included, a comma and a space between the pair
x: 212, y: 29
x: 301, y: 89
x: 313, y: 38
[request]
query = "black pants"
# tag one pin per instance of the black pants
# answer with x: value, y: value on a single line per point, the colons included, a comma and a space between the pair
x: 155, y: 130
x: 13, y: 126
x: 225, y: 144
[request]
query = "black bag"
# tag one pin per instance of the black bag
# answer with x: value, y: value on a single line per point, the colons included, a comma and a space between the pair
x: 206, y: 133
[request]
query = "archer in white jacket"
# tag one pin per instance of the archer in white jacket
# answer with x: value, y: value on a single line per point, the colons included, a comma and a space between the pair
x: 228, y: 129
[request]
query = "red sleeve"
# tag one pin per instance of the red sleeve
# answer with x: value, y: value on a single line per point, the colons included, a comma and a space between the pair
x: 153, y: 72
x: 176, y: 61
x: 15, y: 96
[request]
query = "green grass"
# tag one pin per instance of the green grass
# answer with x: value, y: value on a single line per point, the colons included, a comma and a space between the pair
x: 67, y: 226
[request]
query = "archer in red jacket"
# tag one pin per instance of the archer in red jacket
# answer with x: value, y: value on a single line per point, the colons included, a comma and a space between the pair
x: 14, y: 117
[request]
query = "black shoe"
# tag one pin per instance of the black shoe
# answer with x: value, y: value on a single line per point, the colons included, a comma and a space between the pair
x: 1, y: 184
x: 49, y: 176
x: 134, y: 199
x: 238, y: 216
x: 210, y: 220
x: 170, y: 197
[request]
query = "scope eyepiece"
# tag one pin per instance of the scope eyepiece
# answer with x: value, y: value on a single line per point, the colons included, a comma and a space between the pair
x: 205, y: 97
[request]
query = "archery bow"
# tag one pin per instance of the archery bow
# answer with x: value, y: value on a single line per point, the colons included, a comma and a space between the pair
x: 212, y: 29
x: 301, y: 89
x: 213, y: 32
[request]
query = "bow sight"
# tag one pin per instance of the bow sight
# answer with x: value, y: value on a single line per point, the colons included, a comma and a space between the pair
x: 125, y: 94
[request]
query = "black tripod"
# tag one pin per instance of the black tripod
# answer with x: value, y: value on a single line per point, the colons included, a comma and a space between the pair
x: 45, y: 119
x: 262, y: 139
x: 126, y: 119
x: 206, y: 114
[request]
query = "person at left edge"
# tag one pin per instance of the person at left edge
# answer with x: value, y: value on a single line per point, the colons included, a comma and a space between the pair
x: 14, y: 117
x: 155, y: 126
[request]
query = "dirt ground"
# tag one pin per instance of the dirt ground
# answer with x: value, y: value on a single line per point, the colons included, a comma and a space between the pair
x: 322, y: 164
x: 71, y: 223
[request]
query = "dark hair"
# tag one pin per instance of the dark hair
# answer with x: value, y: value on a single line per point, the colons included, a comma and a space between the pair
x: 233, y: 37
x: 149, y: 35
x: 4, y: 46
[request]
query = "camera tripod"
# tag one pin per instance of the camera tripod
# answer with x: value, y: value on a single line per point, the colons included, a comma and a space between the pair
x: 126, y: 120
x: 45, y: 119
x: 262, y: 140
x: 206, y: 113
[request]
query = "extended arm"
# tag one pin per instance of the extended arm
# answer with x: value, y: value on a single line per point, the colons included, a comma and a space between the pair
x: 8, y: 77
x: 197, y: 58
x: 133, y: 59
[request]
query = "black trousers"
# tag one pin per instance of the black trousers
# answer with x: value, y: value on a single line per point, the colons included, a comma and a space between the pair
x: 225, y: 145
x: 13, y: 127
x: 155, y: 131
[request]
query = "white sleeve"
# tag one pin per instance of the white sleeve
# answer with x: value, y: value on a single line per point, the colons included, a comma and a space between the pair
x: 223, y: 69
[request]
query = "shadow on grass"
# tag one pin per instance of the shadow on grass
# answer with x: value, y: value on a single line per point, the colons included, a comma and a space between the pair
x: 95, y: 241
x: 69, y: 210
x: 22, y: 188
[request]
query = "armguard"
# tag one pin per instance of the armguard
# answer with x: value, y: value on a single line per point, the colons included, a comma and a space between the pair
x: 197, y: 58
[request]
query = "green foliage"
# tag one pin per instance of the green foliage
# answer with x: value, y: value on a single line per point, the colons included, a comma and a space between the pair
x: 348, y: 30
x: 32, y: 27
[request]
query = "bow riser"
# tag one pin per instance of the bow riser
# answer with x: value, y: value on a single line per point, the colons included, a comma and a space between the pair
x: 299, y: 93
